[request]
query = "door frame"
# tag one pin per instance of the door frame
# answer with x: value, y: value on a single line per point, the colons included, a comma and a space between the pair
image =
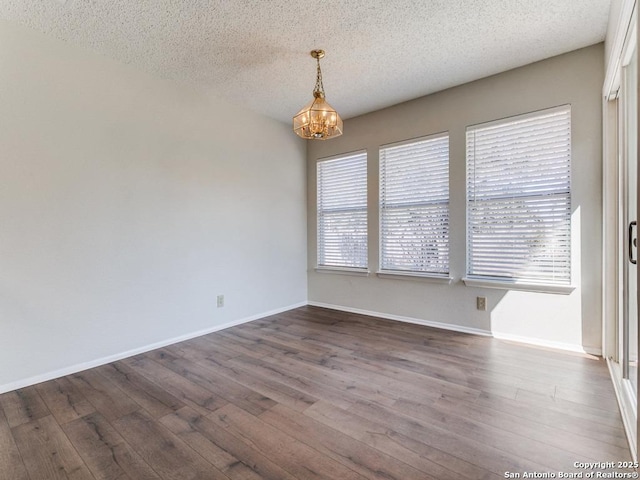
x: 624, y: 41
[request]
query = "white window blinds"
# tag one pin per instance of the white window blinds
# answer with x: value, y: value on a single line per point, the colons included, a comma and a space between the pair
x: 342, y: 211
x: 519, y: 198
x: 414, y: 206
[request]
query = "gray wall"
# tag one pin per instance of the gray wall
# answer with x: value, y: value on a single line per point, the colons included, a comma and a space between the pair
x: 568, y: 321
x: 127, y: 204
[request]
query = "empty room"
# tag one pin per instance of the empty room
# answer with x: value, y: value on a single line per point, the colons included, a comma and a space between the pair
x: 333, y: 240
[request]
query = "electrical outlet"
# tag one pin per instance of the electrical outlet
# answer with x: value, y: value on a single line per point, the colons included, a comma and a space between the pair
x: 220, y: 301
x: 481, y: 303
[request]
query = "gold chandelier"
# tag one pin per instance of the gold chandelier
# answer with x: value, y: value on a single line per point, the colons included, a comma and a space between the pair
x: 317, y: 120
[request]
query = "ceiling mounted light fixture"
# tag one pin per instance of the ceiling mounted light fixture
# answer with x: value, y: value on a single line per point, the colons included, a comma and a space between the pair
x: 317, y: 120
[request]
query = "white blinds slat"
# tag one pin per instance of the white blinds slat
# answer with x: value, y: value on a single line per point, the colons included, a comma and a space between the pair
x: 414, y: 206
x: 519, y: 198
x: 342, y: 211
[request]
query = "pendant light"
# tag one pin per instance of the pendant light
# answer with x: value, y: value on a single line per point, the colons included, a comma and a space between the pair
x: 317, y: 120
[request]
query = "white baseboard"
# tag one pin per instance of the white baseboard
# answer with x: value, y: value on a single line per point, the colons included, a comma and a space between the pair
x: 400, y: 318
x: 8, y: 387
x: 569, y: 347
x: 460, y: 328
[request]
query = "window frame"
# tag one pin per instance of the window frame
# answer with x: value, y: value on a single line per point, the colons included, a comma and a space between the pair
x: 518, y: 282
x: 335, y: 268
x: 433, y: 276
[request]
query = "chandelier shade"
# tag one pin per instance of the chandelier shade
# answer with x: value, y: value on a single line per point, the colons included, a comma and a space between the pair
x: 317, y: 120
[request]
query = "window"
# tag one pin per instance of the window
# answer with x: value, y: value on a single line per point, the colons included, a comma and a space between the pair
x: 414, y: 206
x: 342, y: 212
x: 519, y: 199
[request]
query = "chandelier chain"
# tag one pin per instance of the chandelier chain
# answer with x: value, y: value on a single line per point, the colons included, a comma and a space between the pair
x: 319, y: 88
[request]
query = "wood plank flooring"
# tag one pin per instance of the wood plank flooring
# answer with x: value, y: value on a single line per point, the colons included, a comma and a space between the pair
x: 318, y: 394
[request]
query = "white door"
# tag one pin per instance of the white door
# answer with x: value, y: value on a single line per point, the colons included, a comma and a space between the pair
x: 626, y: 371
x: 629, y: 334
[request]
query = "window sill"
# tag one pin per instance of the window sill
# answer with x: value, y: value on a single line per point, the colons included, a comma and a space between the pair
x: 400, y: 275
x: 360, y: 272
x: 504, y: 284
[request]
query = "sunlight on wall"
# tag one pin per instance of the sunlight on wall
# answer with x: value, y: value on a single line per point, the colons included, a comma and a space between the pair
x: 544, y: 315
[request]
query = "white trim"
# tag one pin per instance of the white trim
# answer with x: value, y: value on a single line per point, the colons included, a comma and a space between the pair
x: 409, y: 141
x: 630, y: 45
x: 340, y: 156
x: 520, y: 116
x: 612, y: 78
x: 363, y: 272
x: 626, y: 413
x: 461, y: 328
x: 569, y: 347
x: 418, y: 321
x: 8, y: 387
x: 400, y: 318
x: 427, y: 277
x: 610, y: 237
x: 505, y: 284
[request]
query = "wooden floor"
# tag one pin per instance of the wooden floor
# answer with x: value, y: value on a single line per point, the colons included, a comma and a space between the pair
x: 313, y: 393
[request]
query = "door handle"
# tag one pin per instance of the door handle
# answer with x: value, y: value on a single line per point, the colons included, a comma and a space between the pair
x: 631, y: 259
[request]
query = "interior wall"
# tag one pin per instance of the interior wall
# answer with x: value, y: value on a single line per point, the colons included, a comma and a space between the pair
x: 127, y: 204
x: 569, y: 321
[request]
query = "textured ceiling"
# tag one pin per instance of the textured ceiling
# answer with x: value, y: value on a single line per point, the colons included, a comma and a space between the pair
x: 379, y: 52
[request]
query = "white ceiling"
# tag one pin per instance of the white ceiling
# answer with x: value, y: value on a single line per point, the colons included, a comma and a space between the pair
x: 379, y: 52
